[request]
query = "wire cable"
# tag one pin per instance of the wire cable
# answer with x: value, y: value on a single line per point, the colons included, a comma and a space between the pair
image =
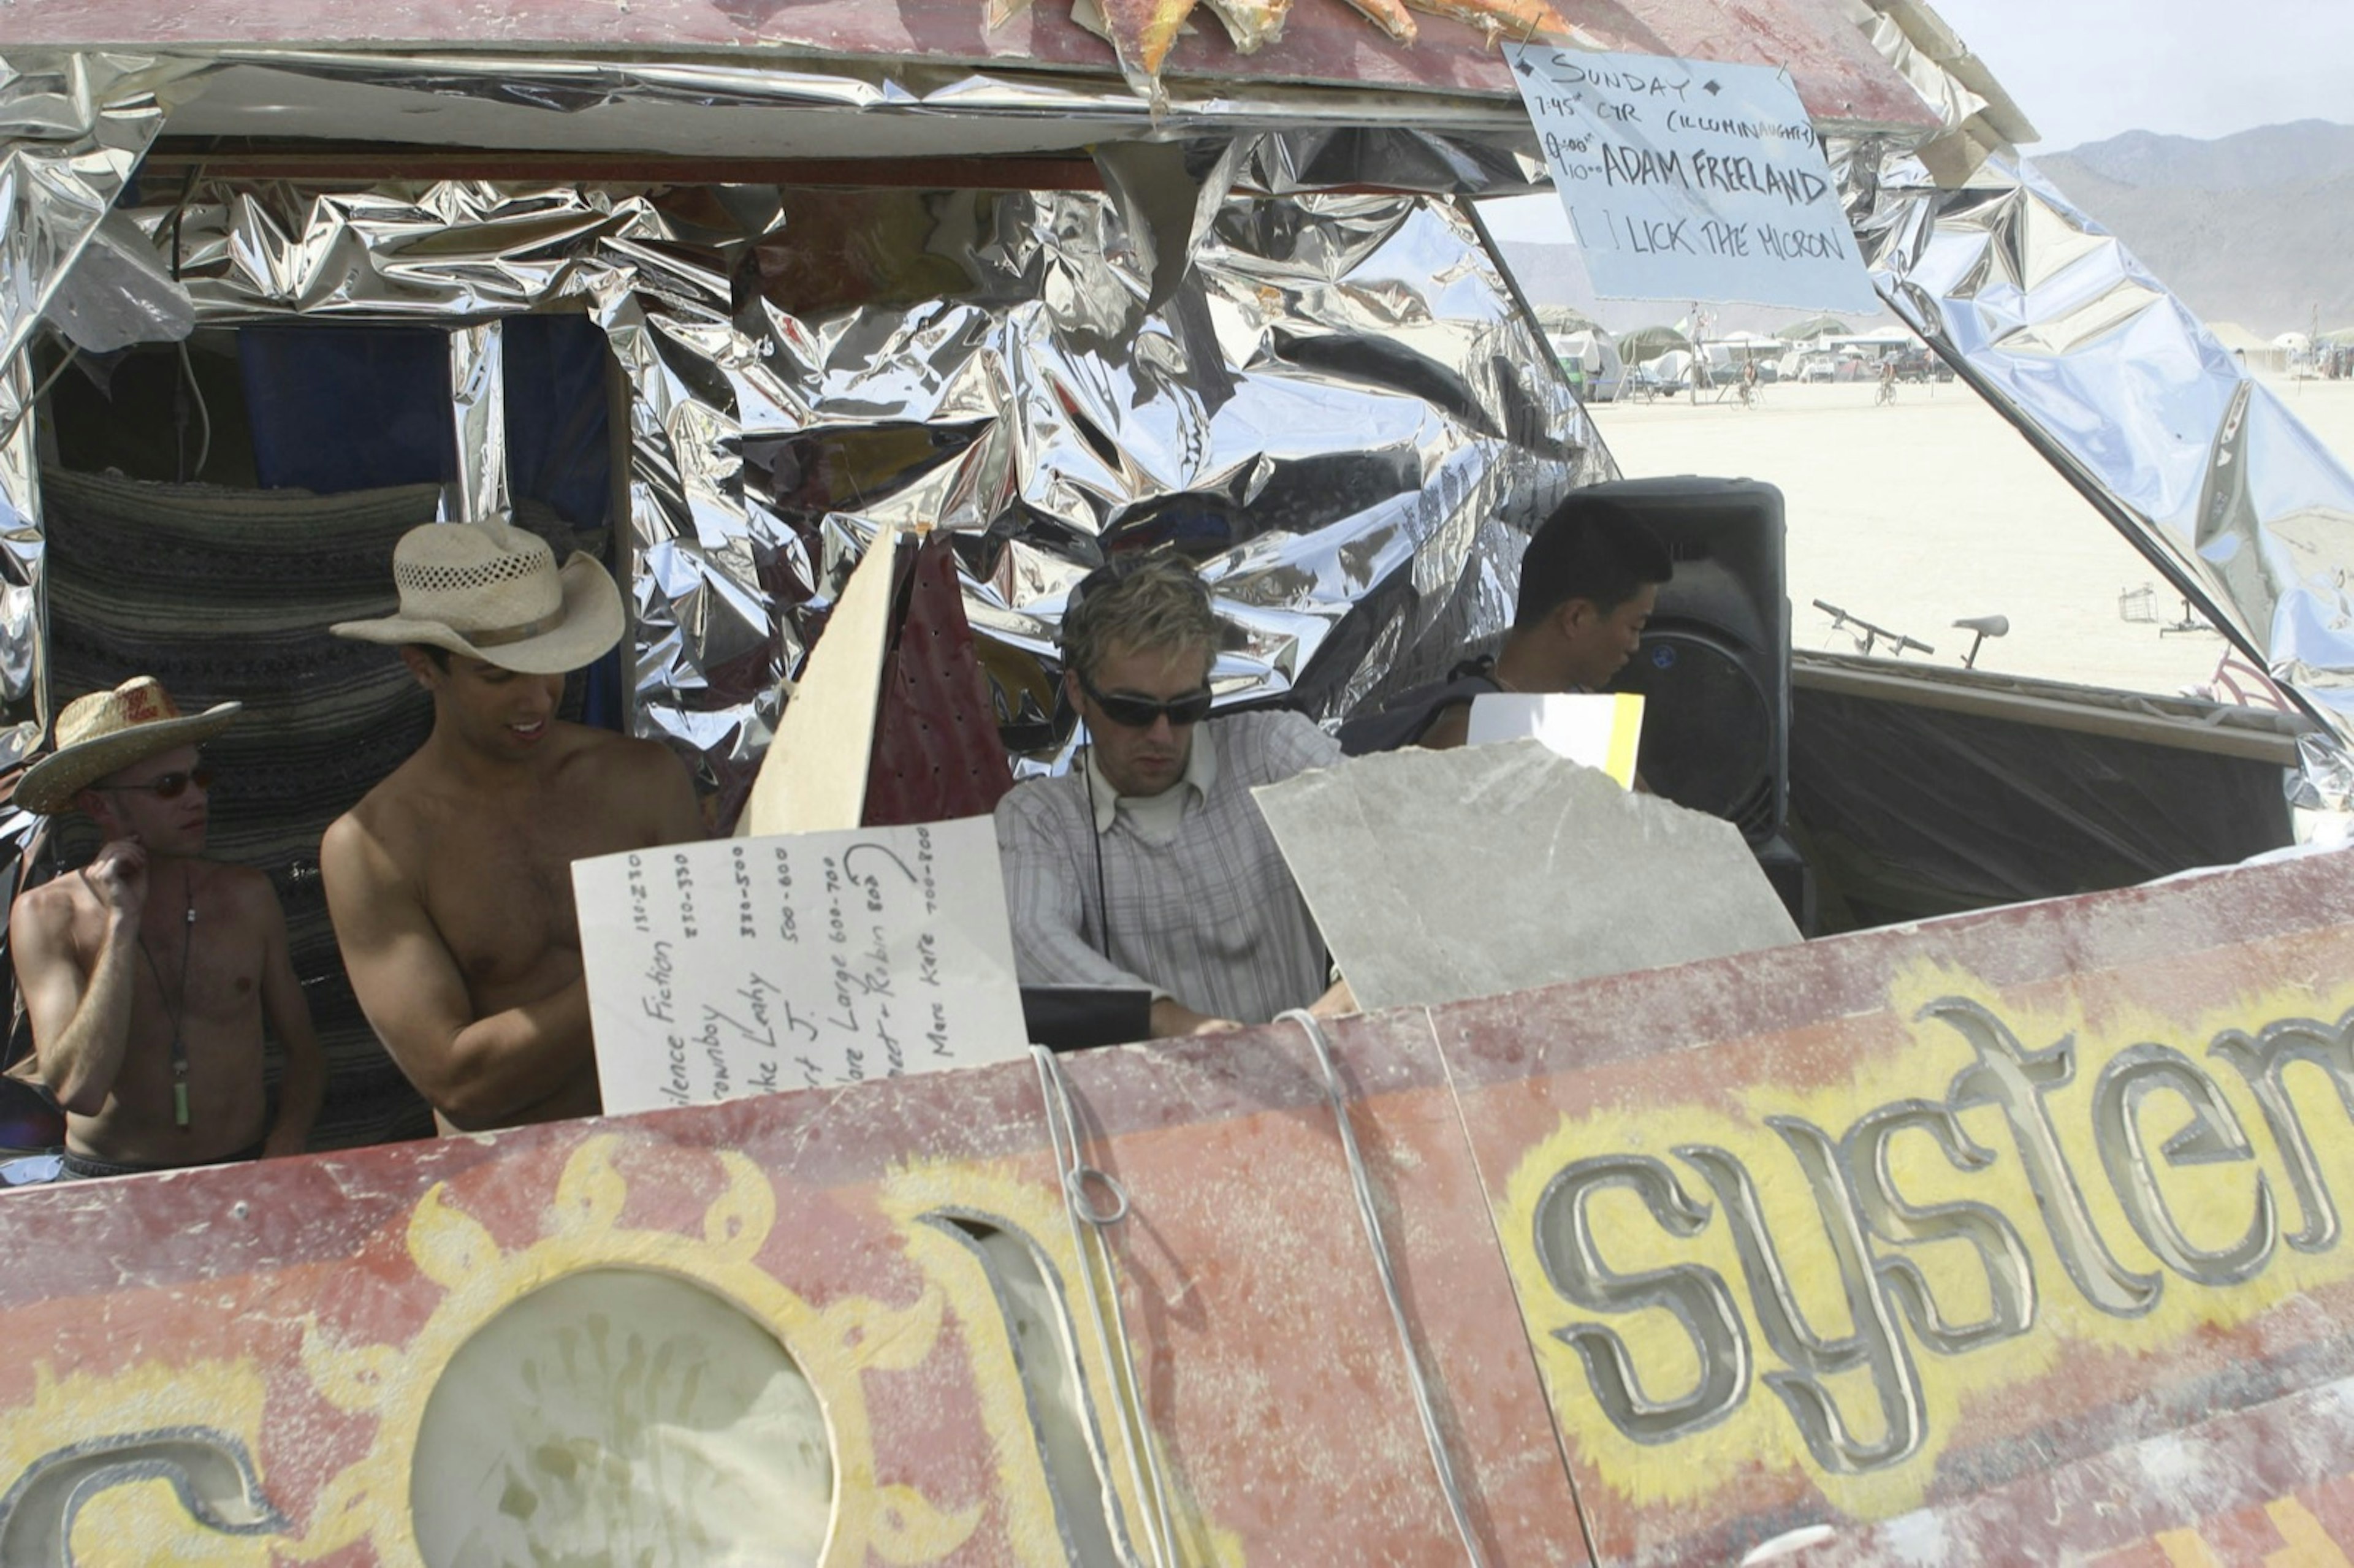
x: 1424, y: 1403
x: 1128, y: 1392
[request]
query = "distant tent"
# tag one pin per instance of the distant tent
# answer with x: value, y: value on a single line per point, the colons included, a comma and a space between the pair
x: 2256, y: 353
x: 1596, y: 358
x: 1649, y: 342
x: 1741, y: 347
x: 1813, y: 327
x: 1560, y: 319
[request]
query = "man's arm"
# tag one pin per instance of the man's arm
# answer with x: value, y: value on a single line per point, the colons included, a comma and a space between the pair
x: 477, y: 1073
x: 1450, y: 729
x: 81, y: 1027
x: 669, y: 794
x: 303, y: 1084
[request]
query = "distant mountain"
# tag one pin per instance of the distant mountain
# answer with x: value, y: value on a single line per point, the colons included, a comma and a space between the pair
x: 2299, y: 153
x: 2256, y: 228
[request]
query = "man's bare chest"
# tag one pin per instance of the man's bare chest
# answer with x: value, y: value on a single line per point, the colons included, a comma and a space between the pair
x: 206, y: 971
x: 500, y: 892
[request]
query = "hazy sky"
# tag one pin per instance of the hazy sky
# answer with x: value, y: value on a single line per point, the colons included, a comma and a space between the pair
x: 2085, y: 69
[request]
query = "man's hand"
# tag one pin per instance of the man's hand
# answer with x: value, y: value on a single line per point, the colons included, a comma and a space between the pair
x: 119, y: 876
x: 1337, y: 1002
x: 284, y: 1140
x: 1171, y: 1019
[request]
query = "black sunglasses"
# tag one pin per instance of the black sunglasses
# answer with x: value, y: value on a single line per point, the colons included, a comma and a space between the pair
x: 1141, y: 712
x: 168, y: 785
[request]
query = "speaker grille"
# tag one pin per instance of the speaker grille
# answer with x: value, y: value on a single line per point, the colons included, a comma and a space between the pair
x: 1708, y: 729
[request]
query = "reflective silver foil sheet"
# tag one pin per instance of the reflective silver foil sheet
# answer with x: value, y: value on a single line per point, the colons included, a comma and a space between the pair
x: 2200, y: 466
x: 1327, y: 400
x: 24, y: 643
x: 71, y: 129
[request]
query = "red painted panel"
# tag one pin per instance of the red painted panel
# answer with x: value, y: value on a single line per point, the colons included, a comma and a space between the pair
x: 2079, y: 1059
x: 1838, y: 75
x: 295, y: 1319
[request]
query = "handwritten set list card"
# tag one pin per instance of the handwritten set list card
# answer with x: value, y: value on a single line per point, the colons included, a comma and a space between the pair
x: 748, y: 966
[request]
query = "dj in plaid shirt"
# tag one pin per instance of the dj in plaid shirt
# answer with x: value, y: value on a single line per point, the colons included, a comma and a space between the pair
x: 1148, y: 865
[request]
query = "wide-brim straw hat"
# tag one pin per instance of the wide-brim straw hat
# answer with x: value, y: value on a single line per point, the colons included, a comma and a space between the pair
x: 492, y: 591
x: 106, y: 732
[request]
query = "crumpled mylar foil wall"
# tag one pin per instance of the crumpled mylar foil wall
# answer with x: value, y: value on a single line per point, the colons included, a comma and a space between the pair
x: 2197, y: 463
x: 1336, y: 411
x: 71, y: 130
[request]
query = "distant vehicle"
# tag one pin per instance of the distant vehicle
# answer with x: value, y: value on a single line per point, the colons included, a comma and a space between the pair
x: 1817, y: 367
x: 1920, y: 365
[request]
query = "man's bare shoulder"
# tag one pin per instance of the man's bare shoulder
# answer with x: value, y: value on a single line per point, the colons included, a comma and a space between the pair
x: 604, y: 758
x: 385, y: 811
x: 53, y: 905
x: 363, y: 844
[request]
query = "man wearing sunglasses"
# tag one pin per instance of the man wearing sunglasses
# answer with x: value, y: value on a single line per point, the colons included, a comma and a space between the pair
x: 1148, y: 865
x: 150, y: 974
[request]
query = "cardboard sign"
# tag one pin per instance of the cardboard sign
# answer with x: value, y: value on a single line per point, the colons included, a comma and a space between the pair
x: 1601, y: 730
x: 803, y: 960
x: 1690, y: 180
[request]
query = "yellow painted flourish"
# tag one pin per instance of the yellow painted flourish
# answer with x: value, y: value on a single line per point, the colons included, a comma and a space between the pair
x: 370, y: 1500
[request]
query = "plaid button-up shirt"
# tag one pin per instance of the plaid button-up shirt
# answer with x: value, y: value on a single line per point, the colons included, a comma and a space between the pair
x: 1207, y: 914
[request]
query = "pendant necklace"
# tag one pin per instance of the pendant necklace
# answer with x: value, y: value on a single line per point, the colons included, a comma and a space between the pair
x: 179, y: 1011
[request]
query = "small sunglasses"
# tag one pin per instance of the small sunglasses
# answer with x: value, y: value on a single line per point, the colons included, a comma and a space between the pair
x: 1141, y: 713
x: 170, y: 786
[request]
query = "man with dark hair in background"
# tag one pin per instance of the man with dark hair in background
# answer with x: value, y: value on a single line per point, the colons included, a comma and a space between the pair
x: 1149, y: 865
x: 1589, y: 580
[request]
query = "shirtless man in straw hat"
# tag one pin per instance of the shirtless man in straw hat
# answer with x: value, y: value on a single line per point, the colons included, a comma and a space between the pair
x: 149, y: 974
x: 450, y: 884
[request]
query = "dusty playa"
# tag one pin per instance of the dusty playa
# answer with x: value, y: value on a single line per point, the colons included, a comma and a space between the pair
x: 1917, y: 515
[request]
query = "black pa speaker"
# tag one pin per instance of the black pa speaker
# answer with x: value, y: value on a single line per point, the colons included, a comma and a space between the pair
x: 1714, y: 664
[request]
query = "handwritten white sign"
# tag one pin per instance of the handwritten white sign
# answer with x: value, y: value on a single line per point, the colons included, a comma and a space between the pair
x: 747, y: 966
x: 1688, y: 180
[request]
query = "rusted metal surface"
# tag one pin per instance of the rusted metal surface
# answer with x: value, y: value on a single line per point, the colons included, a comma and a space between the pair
x: 294, y: 1320
x: 1887, y: 1227
x: 2028, y: 1226
x: 1838, y: 75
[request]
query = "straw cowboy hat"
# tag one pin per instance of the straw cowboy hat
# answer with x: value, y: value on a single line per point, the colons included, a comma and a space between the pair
x: 106, y: 732
x: 492, y: 591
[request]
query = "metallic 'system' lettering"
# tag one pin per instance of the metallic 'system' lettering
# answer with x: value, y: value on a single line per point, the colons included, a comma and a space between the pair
x: 2011, y: 1277
x: 1874, y: 1344
x: 2212, y: 1137
x: 1697, y: 1296
x: 2264, y: 1060
x: 2011, y: 1076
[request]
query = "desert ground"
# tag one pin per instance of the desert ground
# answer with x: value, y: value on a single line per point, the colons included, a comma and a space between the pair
x: 1931, y: 509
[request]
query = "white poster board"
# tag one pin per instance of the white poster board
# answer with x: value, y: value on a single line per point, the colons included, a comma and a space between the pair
x: 1689, y: 180
x: 749, y: 966
x: 1603, y: 729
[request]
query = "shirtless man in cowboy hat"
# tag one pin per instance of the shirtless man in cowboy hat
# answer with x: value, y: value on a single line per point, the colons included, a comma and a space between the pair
x: 450, y: 884
x: 150, y: 973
